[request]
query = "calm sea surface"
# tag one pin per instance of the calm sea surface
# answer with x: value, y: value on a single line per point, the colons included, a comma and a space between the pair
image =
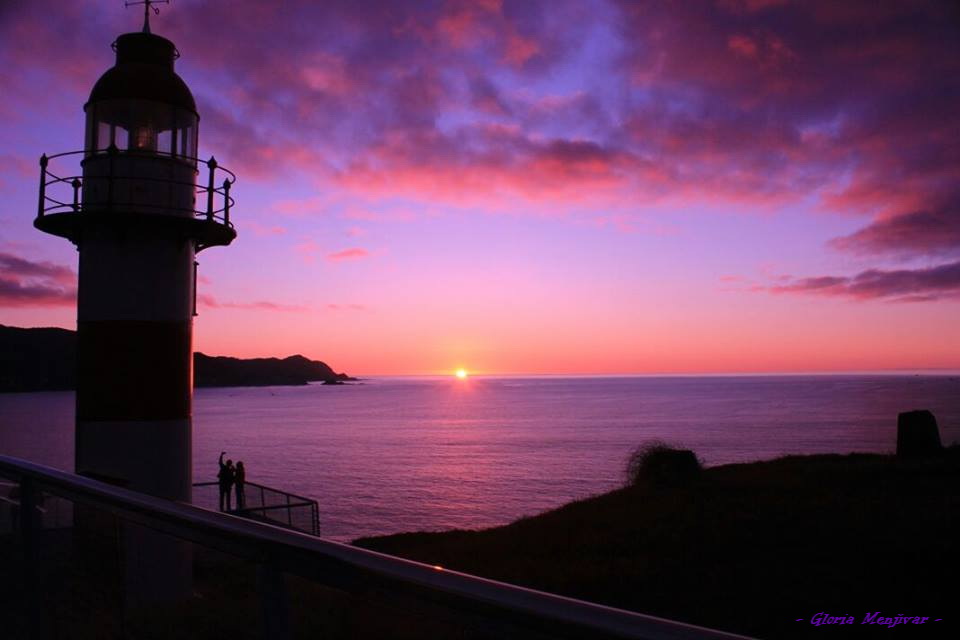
x: 405, y: 454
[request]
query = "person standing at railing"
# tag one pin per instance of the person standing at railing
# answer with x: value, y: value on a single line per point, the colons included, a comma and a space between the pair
x: 225, y: 477
x: 239, y: 477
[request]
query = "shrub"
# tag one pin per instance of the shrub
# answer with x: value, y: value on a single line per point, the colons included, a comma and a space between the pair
x: 657, y: 463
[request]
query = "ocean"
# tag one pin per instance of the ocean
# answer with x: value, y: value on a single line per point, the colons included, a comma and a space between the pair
x: 422, y: 454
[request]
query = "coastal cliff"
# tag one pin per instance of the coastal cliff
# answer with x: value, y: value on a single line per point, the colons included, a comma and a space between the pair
x: 44, y: 359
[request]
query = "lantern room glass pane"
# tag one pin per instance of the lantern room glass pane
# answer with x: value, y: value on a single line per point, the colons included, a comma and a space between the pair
x: 141, y: 126
x: 187, y: 135
x: 104, y: 136
x: 165, y: 141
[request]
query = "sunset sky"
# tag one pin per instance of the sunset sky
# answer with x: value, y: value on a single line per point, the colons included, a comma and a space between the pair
x: 537, y: 187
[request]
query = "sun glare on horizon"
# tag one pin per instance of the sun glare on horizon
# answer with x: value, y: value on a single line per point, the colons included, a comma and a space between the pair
x: 461, y: 374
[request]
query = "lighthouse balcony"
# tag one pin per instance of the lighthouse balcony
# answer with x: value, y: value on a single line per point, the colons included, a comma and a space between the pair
x: 128, y: 187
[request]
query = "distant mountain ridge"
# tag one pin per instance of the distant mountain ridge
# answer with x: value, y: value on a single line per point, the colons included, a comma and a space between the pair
x: 44, y: 359
x: 222, y: 371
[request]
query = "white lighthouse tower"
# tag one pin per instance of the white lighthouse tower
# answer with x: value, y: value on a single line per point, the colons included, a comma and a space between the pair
x: 138, y: 213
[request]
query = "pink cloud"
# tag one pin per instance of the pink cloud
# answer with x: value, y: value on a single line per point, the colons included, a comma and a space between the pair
x: 261, y: 230
x: 485, y: 164
x: 211, y: 302
x: 519, y: 49
x: 355, y: 232
x: 742, y: 45
x: 328, y: 73
x: 353, y: 253
x: 463, y: 27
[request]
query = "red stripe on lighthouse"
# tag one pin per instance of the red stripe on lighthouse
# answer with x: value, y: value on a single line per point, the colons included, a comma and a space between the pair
x: 134, y: 370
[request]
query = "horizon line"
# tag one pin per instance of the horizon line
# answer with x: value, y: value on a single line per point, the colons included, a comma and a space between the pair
x: 917, y: 371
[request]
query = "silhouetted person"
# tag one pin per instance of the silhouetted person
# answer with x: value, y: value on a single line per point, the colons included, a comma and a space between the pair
x: 239, y: 477
x: 225, y: 477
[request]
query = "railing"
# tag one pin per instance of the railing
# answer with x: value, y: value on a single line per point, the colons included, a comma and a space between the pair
x: 263, y: 503
x: 52, y: 514
x: 62, y: 193
x: 494, y: 608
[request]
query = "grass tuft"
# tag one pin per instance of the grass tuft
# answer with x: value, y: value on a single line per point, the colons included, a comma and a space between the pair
x: 659, y: 464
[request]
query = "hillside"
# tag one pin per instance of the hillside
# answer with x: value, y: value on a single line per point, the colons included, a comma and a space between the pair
x: 222, y: 371
x: 44, y: 359
x: 37, y: 359
x: 749, y: 548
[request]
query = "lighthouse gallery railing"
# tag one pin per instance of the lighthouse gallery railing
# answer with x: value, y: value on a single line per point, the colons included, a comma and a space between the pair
x: 62, y: 193
x: 496, y: 608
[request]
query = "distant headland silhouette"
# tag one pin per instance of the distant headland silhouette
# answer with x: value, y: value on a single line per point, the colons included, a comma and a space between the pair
x: 44, y: 359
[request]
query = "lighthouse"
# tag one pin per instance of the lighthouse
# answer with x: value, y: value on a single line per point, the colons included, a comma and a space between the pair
x: 139, y: 206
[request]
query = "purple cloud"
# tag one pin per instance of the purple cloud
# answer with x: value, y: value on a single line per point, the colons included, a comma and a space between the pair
x: 919, y: 232
x: 754, y: 102
x: 21, y: 267
x: 902, y: 285
x: 24, y: 283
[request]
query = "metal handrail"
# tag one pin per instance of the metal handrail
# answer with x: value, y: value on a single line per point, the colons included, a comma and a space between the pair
x: 259, y: 486
x: 341, y: 565
x: 266, y: 508
x: 273, y: 507
x: 212, y: 191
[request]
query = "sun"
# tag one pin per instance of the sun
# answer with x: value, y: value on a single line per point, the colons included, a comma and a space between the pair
x: 461, y: 373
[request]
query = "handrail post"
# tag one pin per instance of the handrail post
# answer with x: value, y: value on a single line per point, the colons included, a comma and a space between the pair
x: 226, y: 201
x: 273, y: 602
x: 43, y: 184
x: 76, y: 194
x: 212, y: 165
x: 28, y: 538
x: 28, y: 512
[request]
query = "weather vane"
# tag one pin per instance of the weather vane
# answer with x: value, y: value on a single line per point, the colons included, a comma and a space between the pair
x: 147, y: 5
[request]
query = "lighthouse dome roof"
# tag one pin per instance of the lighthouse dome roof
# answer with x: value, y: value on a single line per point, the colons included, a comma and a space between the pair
x: 144, y: 71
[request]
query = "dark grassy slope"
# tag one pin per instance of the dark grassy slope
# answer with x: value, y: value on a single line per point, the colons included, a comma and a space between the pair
x: 747, y: 548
